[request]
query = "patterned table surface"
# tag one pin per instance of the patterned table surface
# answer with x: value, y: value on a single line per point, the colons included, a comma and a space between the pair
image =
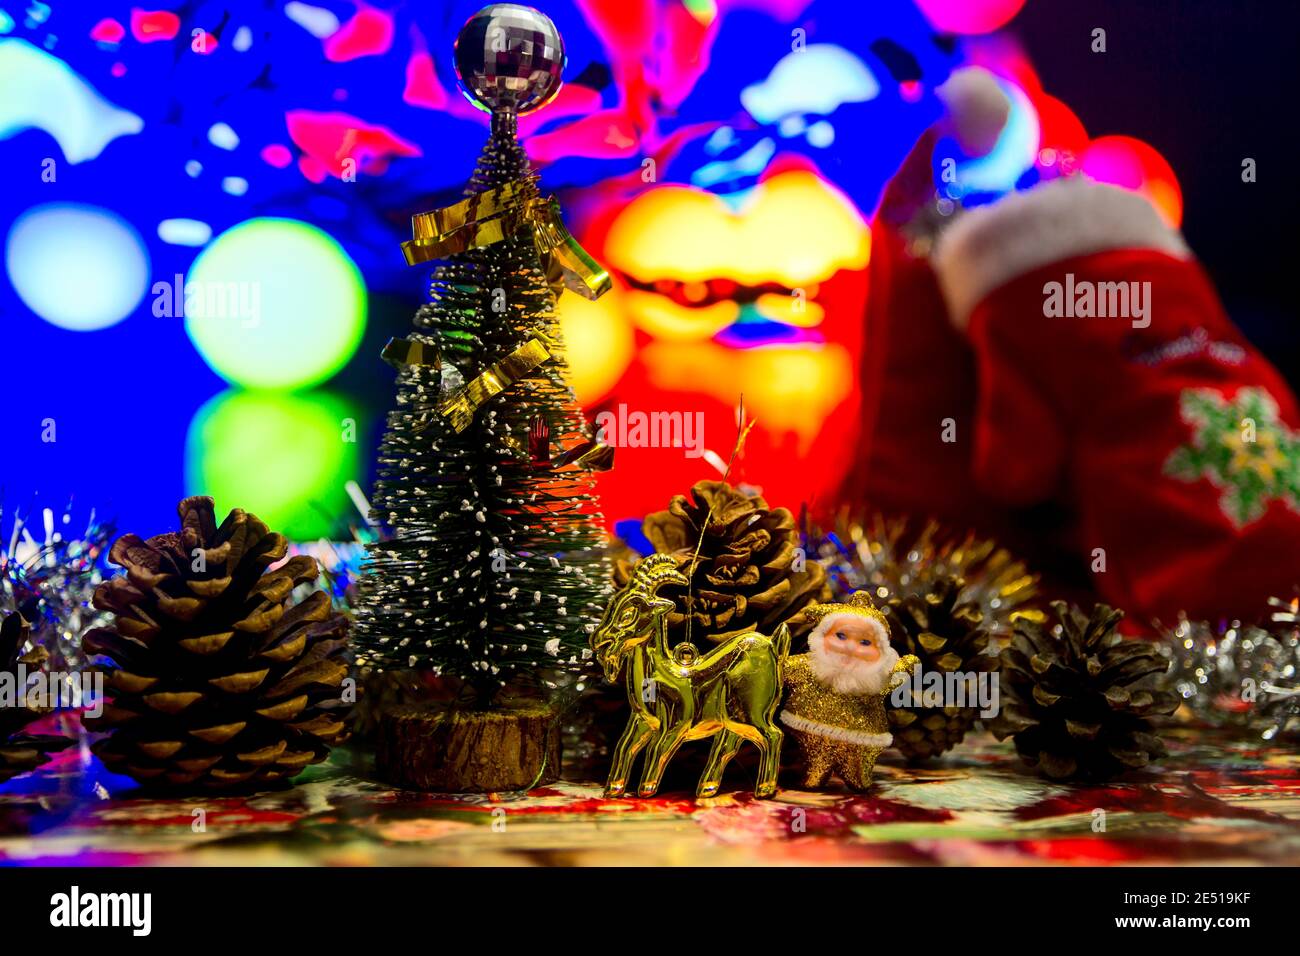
x: 1214, y: 801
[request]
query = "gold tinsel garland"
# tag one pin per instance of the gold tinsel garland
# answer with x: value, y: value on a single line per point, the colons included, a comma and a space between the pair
x: 874, y: 553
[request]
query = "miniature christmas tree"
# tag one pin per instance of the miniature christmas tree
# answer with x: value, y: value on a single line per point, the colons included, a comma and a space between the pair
x: 495, y: 570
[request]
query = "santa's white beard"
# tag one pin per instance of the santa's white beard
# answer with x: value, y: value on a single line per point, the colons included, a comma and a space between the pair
x: 850, y: 675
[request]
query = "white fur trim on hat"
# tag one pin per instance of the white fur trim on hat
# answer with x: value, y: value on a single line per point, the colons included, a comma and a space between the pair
x: 815, y: 727
x: 989, y: 246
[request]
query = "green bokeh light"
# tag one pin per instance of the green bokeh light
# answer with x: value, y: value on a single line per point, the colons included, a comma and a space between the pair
x: 275, y: 304
x: 283, y: 457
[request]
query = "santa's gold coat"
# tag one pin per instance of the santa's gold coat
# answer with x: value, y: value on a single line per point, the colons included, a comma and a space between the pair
x: 838, y: 733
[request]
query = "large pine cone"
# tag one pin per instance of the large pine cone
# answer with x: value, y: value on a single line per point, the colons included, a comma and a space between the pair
x: 1075, y: 698
x: 220, y: 681
x: 745, y: 577
x: 21, y: 752
x: 948, y: 634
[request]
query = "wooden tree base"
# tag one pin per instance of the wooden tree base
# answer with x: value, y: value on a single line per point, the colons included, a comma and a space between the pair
x: 425, y: 747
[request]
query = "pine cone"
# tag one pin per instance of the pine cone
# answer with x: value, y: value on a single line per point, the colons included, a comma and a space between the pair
x: 1075, y: 700
x: 20, y: 752
x: 948, y: 634
x: 744, y: 578
x: 220, y: 680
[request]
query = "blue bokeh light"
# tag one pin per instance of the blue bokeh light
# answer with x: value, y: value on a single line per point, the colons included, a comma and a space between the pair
x: 78, y: 267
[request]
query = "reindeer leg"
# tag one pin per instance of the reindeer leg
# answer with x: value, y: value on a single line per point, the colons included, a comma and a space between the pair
x: 758, y: 693
x: 656, y: 761
x: 634, y: 737
x: 770, y: 764
x: 725, y: 745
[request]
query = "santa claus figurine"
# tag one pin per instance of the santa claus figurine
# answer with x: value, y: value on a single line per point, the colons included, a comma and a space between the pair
x: 836, y: 704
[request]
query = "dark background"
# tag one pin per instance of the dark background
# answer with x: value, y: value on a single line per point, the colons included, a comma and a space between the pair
x: 1207, y: 83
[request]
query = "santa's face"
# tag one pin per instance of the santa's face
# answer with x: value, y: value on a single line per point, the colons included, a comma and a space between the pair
x: 854, y: 637
x: 851, y: 654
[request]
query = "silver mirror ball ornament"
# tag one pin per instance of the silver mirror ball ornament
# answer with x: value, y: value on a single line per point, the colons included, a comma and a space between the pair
x: 509, y: 58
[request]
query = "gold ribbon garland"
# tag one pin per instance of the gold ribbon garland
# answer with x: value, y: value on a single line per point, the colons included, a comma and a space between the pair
x: 496, y: 214
x: 589, y: 454
x: 481, y: 220
x: 399, y: 352
x: 459, y: 408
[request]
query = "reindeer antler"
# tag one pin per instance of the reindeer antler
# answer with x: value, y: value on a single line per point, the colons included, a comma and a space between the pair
x: 655, y: 570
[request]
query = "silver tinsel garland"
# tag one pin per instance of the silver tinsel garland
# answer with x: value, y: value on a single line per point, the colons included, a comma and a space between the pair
x: 48, y: 574
x: 1239, y: 675
x: 342, y: 554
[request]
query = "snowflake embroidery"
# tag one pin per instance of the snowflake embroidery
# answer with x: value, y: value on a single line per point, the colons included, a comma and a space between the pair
x: 1242, y: 448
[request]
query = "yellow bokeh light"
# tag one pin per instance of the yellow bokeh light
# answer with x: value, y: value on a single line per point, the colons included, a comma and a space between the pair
x: 792, y: 310
x: 788, y: 388
x: 598, y: 343
x: 665, y: 319
x: 795, y: 229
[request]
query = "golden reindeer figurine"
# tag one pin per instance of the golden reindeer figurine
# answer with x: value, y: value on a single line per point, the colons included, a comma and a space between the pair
x: 677, y: 694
